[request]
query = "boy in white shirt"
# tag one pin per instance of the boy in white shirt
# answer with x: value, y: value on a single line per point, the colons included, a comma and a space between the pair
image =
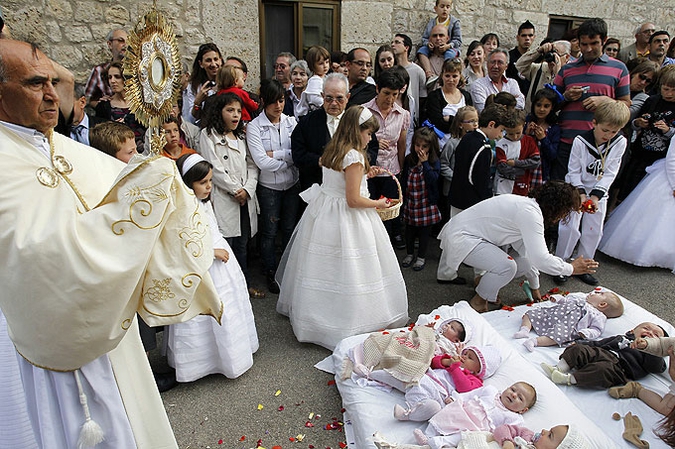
x: 594, y: 162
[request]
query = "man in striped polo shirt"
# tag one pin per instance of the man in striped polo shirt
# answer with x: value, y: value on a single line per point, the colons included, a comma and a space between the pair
x: 586, y: 83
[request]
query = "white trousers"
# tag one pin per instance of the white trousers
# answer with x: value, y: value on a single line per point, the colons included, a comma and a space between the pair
x: 584, y: 229
x: 499, y: 269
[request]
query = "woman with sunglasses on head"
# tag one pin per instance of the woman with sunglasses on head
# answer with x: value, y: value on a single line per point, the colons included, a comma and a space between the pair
x: 643, y: 73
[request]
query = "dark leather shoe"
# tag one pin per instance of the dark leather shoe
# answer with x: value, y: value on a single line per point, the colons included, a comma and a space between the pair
x: 272, y: 285
x: 587, y: 279
x: 560, y: 279
x: 457, y: 281
x: 398, y: 242
x: 165, y: 381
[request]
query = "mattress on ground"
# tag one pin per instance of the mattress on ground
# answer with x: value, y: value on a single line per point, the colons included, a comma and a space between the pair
x: 596, y: 404
x: 369, y: 408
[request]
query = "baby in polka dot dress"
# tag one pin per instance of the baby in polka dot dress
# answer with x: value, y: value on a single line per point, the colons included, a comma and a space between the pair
x: 572, y: 317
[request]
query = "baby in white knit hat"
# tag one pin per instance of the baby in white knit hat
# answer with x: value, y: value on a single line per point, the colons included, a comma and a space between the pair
x: 507, y: 437
x: 561, y: 437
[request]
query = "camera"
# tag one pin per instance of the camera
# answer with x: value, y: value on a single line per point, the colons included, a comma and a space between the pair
x: 655, y: 116
x: 549, y: 56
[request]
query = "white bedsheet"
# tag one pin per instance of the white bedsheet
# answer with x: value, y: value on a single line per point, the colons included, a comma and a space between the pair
x: 370, y: 409
x: 596, y: 404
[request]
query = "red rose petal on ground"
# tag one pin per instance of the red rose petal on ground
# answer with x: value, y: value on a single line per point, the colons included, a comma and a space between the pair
x: 220, y: 441
x: 243, y: 438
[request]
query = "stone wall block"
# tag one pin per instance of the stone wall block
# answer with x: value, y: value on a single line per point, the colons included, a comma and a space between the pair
x: 178, y: 29
x: 573, y: 8
x: 375, y: 14
x: 28, y: 24
x: 117, y: 14
x: 88, y: 12
x: 194, y: 37
x: 463, y: 7
x: 53, y: 31
x: 99, y: 31
x: 524, y: 5
x: 400, y: 21
x: 193, y: 13
x: 93, y: 54
x: 69, y: 56
x: 61, y: 10
x: 538, y: 19
x: 77, y: 34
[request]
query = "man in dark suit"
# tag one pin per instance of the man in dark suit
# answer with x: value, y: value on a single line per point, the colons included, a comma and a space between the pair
x: 81, y: 122
x: 359, y: 64
x: 315, y: 130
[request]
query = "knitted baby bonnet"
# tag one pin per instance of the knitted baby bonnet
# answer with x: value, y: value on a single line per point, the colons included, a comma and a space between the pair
x: 574, y: 439
x: 489, y: 357
x: 468, y: 331
x: 447, y: 346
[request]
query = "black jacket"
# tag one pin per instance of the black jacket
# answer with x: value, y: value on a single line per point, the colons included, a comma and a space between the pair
x: 308, y: 141
x: 471, y: 182
x: 636, y: 364
x: 435, y: 104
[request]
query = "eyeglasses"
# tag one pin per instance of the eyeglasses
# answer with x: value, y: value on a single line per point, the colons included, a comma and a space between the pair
x: 644, y: 77
x: 280, y: 66
x: 330, y: 99
x: 363, y: 63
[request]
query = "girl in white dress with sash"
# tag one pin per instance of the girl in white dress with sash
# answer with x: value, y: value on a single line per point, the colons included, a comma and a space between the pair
x: 339, y: 275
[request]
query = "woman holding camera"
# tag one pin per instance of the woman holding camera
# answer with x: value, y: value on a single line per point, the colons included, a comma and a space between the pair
x: 655, y: 126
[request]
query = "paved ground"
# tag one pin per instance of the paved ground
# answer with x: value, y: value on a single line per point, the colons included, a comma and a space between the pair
x: 217, y: 412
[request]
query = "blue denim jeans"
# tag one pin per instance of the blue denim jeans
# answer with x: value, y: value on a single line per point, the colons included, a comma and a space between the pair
x: 278, y: 211
x: 450, y: 53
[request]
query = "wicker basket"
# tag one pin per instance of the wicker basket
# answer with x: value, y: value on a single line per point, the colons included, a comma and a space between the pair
x: 393, y: 211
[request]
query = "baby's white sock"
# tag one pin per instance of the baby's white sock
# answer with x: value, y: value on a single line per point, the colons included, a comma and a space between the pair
x: 563, y: 367
x: 522, y: 333
x: 530, y: 343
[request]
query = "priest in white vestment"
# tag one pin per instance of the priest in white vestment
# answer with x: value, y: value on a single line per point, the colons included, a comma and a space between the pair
x: 87, y: 243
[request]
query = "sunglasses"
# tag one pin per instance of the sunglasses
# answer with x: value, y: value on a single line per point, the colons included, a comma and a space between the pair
x: 644, y: 77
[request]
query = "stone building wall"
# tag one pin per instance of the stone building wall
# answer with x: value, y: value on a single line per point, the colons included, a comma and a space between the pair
x: 73, y: 31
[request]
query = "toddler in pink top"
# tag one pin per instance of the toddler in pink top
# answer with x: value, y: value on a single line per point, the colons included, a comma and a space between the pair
x: 448, y: 376
x: 484, y: 408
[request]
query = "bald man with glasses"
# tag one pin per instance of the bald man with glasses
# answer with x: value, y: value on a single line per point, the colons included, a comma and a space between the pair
x: 315, y: 130
x: 639, y: 48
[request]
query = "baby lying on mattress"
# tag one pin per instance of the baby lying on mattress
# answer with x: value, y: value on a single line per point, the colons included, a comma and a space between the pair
x: 433, y: 369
